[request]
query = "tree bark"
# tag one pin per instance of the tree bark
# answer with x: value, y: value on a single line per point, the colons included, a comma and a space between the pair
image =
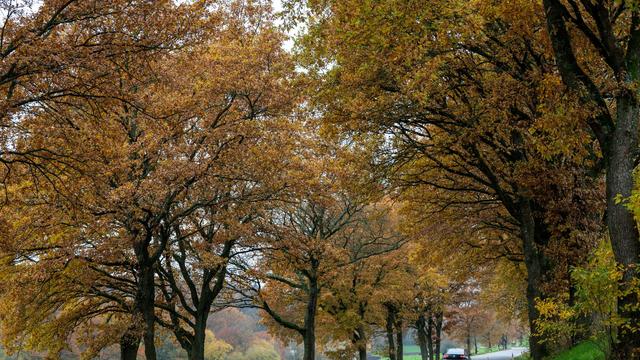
x: 197, y: 344
x: 438, y: 328
x: 129, y: 343
x: 399, y: 342
x: 148, y: 312
x: 207, y: 296
x: 310, y: 320
x: 618, y: 142
x: 620, y: 221
x: 475, y: 344
x: 144, y: 308
x: 422, y: 337
x: 430, y: 344
x: 390, y: 327
x: 360, y: 340
x: 362, y: 352
x: 535, y: 270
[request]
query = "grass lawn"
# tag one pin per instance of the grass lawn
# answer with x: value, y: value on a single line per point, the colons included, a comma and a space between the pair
x: 484, y: 350
x: 406, y: 357
x: 584, y: 351
x: 409, y: 349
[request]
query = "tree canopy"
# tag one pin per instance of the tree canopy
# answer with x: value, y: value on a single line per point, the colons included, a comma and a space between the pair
x: 347, y: 172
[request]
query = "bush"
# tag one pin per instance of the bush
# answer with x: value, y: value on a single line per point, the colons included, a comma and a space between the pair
x: 259, y: 350
x: 215, y: 349
x: 596, y: 286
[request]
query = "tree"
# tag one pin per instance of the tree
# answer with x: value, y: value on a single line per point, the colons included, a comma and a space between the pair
x: 355, y: 301
x: 432, y: 293
x: 249, y: 154
x: 312, y: 241
x: 149, y: 169
x: 466, y: 320
x: 55, y: 61
x: 605, y: 78
x: 461, y: 111
x: 56, y: 56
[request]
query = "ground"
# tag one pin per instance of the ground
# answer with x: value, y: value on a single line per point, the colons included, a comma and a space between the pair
x: 412, y: 352
x: 501, y: 355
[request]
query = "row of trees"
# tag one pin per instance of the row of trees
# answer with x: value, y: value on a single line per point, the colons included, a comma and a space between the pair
x: 515, y: 124
x: 140, y: 140
x: 156, y: 168
x: 409, y: 165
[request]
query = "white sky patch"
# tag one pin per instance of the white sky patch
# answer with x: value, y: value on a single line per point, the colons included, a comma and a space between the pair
x: 289, y: 43
x: 18, y: 8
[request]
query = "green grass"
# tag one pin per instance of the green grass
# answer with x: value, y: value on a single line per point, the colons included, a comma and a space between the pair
x: 410, y: 349
x: 584, y: 351
x: 484, y: 350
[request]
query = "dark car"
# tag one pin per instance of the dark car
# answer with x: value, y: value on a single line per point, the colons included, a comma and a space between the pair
x: 455, y: 354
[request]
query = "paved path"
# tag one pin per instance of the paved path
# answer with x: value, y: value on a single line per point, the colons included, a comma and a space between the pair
x: 500, y: 355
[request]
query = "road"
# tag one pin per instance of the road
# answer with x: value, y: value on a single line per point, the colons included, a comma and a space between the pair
x: 500, y: 355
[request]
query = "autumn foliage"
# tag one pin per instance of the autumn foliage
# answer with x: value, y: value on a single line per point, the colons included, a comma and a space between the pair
x: 460, y: 171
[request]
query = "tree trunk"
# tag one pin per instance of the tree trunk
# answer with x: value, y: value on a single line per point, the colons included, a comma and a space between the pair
x: 438, y: 327
x: 475, y: 344
x: 535, y: 269
x: 200, y: 323
x: 144, y: 308
x: 197, y: 344
x: 399, y: 342
x: 193, y: 340
x: 129, y: 343
x: 620, y: 221
x: 422, y: 337
x: 309, y: 345
x: 389, y: 327
x: 619, y: 147
x: 362, y: 352
x: 146, y: 305
x: 430, y: 344
x: 310, y: 320
x: 149, y: 341
x: 360, y: 341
